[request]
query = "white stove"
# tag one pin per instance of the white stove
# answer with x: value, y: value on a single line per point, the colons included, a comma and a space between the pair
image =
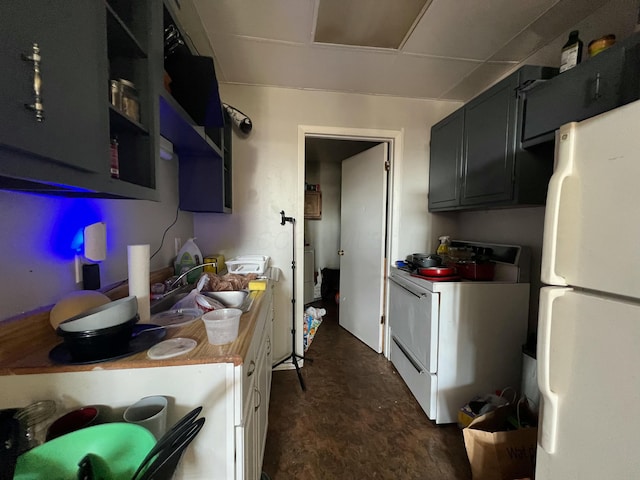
x: 451, y: 341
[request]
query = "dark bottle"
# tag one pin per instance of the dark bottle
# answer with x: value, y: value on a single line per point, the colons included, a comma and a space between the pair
x: 571, y: 52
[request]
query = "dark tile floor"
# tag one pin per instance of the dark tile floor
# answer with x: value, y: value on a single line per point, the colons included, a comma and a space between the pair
x: 357, y: 419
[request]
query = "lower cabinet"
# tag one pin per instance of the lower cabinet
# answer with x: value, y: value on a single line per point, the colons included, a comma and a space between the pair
x: 234, y: 398
x: 251, y: 433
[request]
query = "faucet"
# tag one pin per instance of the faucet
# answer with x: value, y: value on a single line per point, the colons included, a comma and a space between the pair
x: 175, y: 282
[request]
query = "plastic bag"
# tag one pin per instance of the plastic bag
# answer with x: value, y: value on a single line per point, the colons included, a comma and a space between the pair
x: 312, y: 320
x: 197, y: 300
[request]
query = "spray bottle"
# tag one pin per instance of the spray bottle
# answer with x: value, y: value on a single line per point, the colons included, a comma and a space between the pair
x: 443, y: 248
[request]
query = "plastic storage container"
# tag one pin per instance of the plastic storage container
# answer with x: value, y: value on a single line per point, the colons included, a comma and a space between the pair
x: 248, y: 264
x: 222, y: 325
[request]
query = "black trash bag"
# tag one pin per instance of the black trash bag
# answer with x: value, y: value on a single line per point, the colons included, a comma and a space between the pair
x: 330, y: 283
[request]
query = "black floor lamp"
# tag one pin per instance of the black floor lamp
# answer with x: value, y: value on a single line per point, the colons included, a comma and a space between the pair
x: 293, y: 356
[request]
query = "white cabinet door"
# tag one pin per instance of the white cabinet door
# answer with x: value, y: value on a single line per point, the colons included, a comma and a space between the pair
x: 246, y: 441
x: 588, y: 376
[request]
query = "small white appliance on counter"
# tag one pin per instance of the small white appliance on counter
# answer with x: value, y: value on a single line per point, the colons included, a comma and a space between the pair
x: 451, y: 341
x: 589, y: 321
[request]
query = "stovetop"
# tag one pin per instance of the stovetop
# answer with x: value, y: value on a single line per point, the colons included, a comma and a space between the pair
x: 512, y: 261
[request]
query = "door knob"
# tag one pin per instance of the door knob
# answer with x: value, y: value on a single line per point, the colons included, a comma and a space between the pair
x: 340, y: 252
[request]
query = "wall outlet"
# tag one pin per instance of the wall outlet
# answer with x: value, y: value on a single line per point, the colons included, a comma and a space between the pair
x: 78, y: 268
x: 177, y: 245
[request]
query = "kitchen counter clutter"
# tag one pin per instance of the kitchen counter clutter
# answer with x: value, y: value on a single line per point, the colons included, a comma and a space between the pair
x: 232, y: 382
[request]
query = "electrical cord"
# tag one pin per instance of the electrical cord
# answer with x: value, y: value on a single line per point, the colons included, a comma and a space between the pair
x: 165, y: 232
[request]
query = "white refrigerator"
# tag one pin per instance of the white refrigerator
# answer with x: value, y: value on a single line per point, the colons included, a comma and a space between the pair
x: 589, y: 322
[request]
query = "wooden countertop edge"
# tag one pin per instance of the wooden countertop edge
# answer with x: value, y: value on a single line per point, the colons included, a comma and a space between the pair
x: 26, y: 339
x: 34, y: 359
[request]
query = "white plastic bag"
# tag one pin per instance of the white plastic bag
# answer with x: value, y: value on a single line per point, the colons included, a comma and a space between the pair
x: 198, y: 301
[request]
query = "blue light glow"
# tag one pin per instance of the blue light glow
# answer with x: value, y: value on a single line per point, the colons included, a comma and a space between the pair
x: 67, y: 233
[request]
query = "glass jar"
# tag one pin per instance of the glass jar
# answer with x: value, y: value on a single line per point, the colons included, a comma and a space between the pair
x: 130, y: 105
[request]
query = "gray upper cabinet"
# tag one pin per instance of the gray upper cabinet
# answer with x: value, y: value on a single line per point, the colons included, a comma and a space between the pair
x: 445, y: 168
x: 476, y: 157
x: 71, y: 79
x: 61, y: 58
x: 596, y: 85
x: 490, y: 121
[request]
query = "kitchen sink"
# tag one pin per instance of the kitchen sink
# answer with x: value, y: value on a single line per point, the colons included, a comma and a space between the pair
x: 241, y: 299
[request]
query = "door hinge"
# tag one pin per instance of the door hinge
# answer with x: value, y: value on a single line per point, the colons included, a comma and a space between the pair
x: 381, y: 319
x: 387, y: 165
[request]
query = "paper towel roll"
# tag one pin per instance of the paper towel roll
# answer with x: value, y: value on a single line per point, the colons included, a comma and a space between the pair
x: 138, y: 263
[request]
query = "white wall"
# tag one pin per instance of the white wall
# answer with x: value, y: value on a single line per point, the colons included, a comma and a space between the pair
x: 267, y: 179
x: 37, y: 266
x: 324, y: 234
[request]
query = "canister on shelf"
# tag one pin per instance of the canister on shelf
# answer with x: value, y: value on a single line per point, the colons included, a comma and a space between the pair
x: 130, y: 104
x: 598, y: 45
x: 124, y: 97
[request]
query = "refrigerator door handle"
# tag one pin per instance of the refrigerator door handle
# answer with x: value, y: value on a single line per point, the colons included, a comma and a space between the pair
x: 549, y: 426
x: 563, y: 169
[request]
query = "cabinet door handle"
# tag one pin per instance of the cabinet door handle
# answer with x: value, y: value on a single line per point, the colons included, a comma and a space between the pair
x: 268, y: 345
x: 259, y: 395
x: 37, y: 106
x: 252, y: 368
x: 597, y: 93
x: 407, y: 290
x: 408, y: 356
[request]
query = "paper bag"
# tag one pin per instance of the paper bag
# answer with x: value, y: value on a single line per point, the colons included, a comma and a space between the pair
x: 496, y: 453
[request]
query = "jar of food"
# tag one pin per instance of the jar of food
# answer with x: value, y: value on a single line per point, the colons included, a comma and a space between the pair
x: 130, y: 105
x: 600, y: 44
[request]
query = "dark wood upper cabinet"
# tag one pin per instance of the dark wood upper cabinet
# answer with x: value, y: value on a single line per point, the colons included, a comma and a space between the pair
x: 598, y: 84
x: 68, y: 53
x: 476, y: 158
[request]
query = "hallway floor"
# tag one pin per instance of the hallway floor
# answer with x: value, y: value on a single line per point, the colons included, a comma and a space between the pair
x: 357, y: 419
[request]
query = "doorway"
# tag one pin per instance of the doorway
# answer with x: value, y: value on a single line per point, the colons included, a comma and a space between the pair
x: 324, y: 150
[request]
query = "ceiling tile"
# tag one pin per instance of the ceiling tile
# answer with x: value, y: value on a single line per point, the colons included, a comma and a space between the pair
x: 356, y: 23
x: 289, y: 20
x: 274, y: 63
x: 472, y: 29
x: 425, y: 77
x: 479, y: 80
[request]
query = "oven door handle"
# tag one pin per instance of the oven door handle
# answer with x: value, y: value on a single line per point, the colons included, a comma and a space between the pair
x: 419, y: 295
x: 418, y: 368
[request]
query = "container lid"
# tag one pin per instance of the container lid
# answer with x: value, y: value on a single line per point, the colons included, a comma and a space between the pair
x: 171, y: 348
x: 177, y: 317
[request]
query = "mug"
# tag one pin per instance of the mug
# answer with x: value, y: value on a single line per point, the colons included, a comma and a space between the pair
x: 150, y: 413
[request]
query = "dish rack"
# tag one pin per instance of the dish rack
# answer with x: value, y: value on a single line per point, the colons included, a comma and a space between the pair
x: 246, y: 264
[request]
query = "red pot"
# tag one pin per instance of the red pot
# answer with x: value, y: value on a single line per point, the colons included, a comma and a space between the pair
x: 476, y: 271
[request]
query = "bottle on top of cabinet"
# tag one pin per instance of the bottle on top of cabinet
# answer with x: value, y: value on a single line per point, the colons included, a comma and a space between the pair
x: 571, y: 52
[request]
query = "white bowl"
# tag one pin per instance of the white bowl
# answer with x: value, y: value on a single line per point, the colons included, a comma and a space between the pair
x: 229, y: 298
x: 105, y: 316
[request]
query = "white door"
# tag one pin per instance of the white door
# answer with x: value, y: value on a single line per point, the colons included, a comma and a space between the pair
x: 589, y: 378
x: 362, y: 243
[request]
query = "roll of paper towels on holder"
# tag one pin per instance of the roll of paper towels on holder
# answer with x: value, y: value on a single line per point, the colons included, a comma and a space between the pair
x: 138, y: 267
